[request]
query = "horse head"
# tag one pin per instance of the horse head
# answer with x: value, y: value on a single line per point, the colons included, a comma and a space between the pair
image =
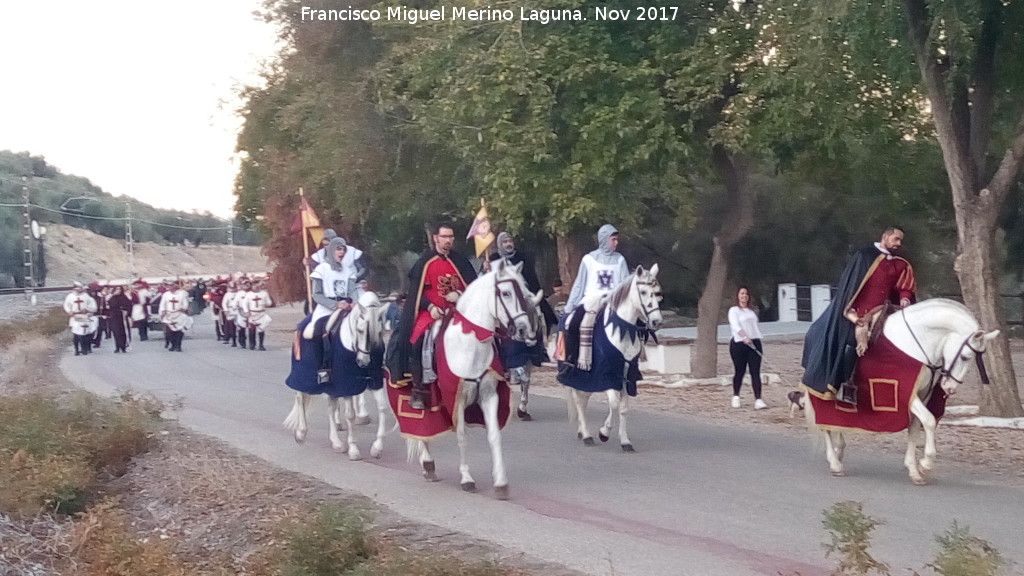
x: 515, y: 305
x: 958, y: 351
x: 367, y: 326
x: 949, y: 336
x: 645, y: 295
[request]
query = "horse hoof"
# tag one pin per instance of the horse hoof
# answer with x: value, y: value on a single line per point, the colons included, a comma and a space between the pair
x: 501, y: 492
x: 602, y: 436
x: 579, y: 435
x: 838, y: 473
x: 628, y: 448
x: 300, y: 438
x: 921, y: 481
x: 589, y: 442
x: 429, y: 473
x: 469, y: 487
x: 524, y: 415
x: 376, y: 454
x: 362, y: 420
x: 355, y: 458
x: 340, y: 448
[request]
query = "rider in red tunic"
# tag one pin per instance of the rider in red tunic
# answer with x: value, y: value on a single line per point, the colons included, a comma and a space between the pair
x: 873, y: 276
x: 436, y: 281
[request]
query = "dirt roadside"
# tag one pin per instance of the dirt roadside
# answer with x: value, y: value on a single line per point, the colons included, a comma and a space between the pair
x: 223, y: 507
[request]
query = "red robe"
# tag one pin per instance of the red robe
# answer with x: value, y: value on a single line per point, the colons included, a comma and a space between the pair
x: 440, y: 277
x: 888, y: 280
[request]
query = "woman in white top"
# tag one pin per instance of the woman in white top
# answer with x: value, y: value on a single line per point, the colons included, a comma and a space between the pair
x: 745, y: 348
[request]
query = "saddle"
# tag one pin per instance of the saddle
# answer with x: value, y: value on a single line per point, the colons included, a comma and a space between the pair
x: 870, y: 326
x: 576, y: 340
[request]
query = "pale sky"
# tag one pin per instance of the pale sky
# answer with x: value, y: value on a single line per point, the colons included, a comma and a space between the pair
x: 137, y: 96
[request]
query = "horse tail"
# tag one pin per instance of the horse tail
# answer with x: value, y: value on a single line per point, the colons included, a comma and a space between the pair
x: 412, y: 449
x: 301, y: 404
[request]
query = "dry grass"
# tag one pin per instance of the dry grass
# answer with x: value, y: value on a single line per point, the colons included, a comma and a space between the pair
x: 50, y: 322
x: 37, y: 545
x: 52, y: 453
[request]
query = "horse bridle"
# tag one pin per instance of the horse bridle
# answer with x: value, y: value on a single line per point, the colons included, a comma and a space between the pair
x: 355, y: 328
x: 520, y: 299
x: 646, y: 310
x: 948, y: 372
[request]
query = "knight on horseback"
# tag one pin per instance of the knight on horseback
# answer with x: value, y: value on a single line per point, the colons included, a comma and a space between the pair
x: 874, y: 278
x: 436, y: 281
x: 600, y: 272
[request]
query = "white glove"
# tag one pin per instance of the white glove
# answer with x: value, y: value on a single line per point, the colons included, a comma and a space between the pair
x: 435, y: 312
x: 452, y: 297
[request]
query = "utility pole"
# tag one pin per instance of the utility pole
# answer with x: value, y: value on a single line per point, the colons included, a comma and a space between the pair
x: 27, y: 243
x: 129, y: 242
x: 231, y: 243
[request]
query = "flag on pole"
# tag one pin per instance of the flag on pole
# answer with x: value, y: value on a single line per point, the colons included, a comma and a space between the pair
x: 307, y: 222
x: 481, y: 230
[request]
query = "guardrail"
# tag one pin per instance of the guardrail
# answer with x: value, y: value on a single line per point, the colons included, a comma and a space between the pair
x: 151, y: 280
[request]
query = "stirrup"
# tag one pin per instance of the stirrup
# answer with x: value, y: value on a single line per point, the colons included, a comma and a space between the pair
x: 847, y: 393
x: 323, y: 376
x: 420, y: 398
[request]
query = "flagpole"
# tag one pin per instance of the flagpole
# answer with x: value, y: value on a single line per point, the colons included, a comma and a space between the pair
x: 305, y: 265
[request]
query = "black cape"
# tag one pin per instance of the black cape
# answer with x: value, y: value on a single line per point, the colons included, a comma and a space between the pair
x: 399, y: 347
x: 828, y: 336
x: 533, y: 283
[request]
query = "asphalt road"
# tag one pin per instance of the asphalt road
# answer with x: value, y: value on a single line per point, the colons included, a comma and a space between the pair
x: 695, y: 499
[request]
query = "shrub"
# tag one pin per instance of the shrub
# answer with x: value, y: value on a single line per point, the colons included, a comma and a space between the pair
x: 50, y: 455
x: 52, y: 321
x: 850, y: 531
x: 332, y: 542
x: 962, y: 554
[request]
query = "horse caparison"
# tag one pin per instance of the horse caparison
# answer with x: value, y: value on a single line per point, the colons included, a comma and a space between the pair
x: 945, y: 336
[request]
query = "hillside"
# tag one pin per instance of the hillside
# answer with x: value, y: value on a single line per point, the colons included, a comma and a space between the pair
x: 78, y: 254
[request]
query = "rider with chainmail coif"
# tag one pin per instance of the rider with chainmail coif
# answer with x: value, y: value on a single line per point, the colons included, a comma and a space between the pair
x: 601, y: 270
x: 331, y: 286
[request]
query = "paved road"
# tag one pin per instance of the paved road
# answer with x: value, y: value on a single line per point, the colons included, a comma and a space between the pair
x: 696, y: 499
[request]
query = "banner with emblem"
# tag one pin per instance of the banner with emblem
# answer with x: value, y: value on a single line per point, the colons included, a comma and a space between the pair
x: 481, y: 230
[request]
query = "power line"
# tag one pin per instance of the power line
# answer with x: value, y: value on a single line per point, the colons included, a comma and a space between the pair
x: 122, y: 218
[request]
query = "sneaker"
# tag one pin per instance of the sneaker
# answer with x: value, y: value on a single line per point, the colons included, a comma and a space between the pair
x: 759, y: 404
x: 735, y: 401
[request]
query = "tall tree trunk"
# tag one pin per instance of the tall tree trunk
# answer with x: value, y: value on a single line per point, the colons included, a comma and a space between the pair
x: 733, y: 171
x: 963, y: 137
x: 570, y: 253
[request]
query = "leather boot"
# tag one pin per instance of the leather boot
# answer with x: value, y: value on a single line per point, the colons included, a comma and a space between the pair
x: 420, y: 398
x: 262, y: 349
x: 847, y: 392
x: 252, y: 338
x: 241, y: 338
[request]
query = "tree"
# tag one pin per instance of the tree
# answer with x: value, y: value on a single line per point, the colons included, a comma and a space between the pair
x: 961, y: 59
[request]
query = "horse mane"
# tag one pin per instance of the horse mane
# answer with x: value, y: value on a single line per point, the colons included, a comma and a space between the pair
x: 621, y: 292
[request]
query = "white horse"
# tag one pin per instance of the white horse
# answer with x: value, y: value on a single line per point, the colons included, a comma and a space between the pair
x: 359, y: 335
x: 945, y: 336
x: 638, y: 297
x: 498, y: 300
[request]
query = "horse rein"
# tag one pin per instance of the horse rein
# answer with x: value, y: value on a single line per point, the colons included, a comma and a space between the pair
x: 948, y: 372
x: 520, y: 299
